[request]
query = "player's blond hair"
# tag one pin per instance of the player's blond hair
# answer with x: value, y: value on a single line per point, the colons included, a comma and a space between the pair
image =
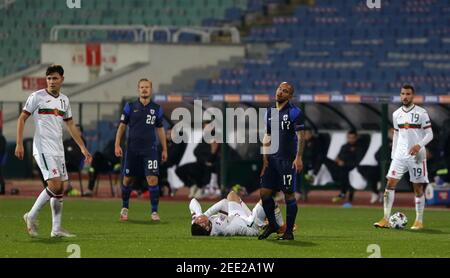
x: 145, y: 80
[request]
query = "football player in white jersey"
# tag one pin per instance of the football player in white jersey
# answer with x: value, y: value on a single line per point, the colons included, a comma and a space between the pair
x: 230, y: 217
x: 49, y: 108
x: 412, y: 133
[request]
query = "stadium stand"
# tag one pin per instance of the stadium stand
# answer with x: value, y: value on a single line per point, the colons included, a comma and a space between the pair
x: 26, y: 24
x: 346, y: 47
x: 339, y: 47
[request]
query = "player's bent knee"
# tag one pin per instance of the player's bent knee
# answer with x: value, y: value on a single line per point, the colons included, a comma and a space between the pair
x: 418, y: 189
x: 391, y: 184
x: 56, y: 186
x: 233, y: 197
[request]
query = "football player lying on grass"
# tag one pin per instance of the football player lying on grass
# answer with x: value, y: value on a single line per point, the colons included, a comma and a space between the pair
x: 230, y: 217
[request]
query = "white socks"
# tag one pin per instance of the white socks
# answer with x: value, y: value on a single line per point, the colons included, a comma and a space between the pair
x: 43, y: 198
x: 260, y: 215
x: 389, y: 196
x: 57, y: 205
x: 278, y: 215
x: 420, y: 207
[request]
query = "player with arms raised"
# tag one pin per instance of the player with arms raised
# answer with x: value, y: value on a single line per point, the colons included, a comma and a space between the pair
x: 50, y: 108
x: 412, y: 133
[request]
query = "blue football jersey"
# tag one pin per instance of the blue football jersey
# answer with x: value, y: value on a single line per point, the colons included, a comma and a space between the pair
x: 291, y: 120
x: 142, y: 122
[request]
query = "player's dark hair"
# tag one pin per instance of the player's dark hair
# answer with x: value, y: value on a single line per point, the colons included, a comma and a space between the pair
x: 353, y: 132
x: 409, y: 87
x: 197, y: 230
x: 55, y: 69
x: 145, y: 80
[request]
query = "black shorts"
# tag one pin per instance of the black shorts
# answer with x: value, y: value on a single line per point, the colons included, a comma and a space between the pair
x: 280, y: 175
x: 137, y: 163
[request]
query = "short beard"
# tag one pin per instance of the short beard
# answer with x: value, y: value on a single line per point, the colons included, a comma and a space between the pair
x: 407, y: 105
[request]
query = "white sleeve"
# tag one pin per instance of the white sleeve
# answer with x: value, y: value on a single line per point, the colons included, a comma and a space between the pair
x: 68, y: 115
x: 394, y: 121
x: 426, y: 126
x: 31, y: 105
x: 426, y: 122
x: 427, y: 138
x: 195, y: 208
x: 395, y: 137
x: 221, y: 206
x: 394, y: 143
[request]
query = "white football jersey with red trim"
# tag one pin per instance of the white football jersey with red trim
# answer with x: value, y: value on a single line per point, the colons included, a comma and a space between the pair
x: 410, y: 126
x: 49, y: 113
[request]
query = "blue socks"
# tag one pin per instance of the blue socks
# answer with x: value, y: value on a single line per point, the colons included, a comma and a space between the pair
x: 126, y: 191
x: 269, y: 208
x: 154, y: 197
x: 291, y: 214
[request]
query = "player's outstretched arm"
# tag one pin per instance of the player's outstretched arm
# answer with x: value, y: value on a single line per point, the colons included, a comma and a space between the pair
x: 163, y: 141
x: 298, y: 162
x: 120, y: 131
x: 74, y: 132
x: 394, y: 143
x: 19, y: 152
x: 265, y: 149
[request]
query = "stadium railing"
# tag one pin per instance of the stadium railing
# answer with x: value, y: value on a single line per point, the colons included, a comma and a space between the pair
x: 145, y: 34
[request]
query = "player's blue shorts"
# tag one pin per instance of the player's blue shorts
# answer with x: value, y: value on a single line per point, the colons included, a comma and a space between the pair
x: 138, y: 163
x: 280, y: 175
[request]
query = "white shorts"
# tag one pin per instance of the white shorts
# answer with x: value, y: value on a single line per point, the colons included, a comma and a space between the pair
x: 52, y: 166
x: 239, y: 227
x: 240, y: 224
x: 236, y: 209
x: 418, y: 172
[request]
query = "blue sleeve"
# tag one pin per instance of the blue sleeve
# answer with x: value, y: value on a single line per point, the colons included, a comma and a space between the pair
x: 267, y: 122
x: 298, y: 119
x: 125, y: 118
x: 159, y: 118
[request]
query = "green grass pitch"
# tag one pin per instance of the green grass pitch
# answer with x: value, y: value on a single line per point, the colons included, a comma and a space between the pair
x: 323, y: 232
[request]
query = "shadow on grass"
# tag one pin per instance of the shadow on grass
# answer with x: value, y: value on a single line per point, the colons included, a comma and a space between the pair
x: 296, y: 243
x: 51, y: 241
x: 146, y: 222
x: 427, y: 231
